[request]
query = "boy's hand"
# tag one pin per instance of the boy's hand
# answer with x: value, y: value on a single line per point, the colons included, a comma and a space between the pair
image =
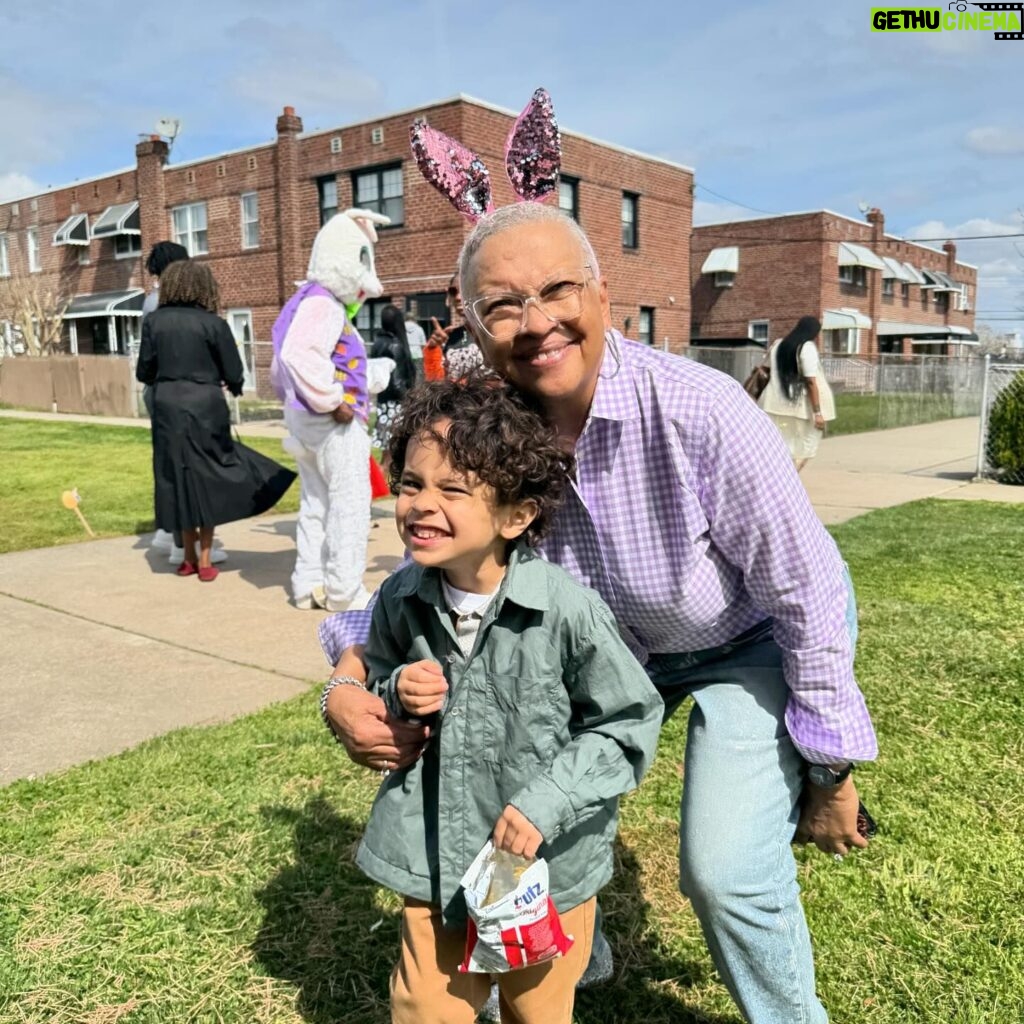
x: 515, y: 833
x: 421, y: 688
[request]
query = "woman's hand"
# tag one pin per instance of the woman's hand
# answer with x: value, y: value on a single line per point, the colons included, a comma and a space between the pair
x: 819, y: 422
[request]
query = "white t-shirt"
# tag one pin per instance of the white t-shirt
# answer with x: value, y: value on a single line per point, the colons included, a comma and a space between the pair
x: 469, y: 611
x: 774, y: 400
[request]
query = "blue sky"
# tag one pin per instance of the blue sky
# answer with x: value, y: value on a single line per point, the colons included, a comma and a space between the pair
x: 782, y: 106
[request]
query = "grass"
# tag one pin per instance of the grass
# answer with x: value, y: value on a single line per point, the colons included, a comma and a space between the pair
x: 111, y: 467
x: 207, y: 876
x: 857, y: 413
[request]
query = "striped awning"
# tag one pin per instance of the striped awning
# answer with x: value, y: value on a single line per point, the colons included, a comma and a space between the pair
x: 74, y: 231
x: 122, y: 219
x: 122, y: 303
x: 897, y: 271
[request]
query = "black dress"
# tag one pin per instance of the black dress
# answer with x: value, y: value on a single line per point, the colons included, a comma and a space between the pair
x: 202, y: 478
x: 403, y: 376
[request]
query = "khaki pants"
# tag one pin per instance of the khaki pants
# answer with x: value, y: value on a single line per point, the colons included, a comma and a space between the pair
x: 427, y: 988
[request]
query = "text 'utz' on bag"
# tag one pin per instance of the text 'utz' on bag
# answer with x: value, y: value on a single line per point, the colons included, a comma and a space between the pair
x: 512, y: 921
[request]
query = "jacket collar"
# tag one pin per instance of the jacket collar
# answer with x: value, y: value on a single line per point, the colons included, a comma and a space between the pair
x: 525, y: 582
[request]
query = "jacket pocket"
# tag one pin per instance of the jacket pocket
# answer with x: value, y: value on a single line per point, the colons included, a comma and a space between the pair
x: 527, y: 720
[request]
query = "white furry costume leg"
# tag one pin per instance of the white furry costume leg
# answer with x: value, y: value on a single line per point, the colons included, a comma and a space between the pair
x: 333, y: 526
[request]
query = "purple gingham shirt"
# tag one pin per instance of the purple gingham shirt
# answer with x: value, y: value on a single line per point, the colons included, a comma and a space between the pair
x: 688, y: 518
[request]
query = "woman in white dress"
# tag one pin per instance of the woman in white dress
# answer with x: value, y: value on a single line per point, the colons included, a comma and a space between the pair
x: 797, y: 396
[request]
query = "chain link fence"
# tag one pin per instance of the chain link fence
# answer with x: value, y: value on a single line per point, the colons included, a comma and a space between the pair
x: 879, y: 391
x: 1001, y: 440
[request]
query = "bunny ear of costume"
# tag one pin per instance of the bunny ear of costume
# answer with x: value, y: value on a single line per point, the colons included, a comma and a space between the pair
x: 455, y: 171
x: 533, y: 153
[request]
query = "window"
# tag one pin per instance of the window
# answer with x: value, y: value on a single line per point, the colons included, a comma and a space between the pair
x: 856, y: 276
x: 5, y: 261
x: 963, y: 297
x: 724, y: 278
x: 887, y: 286
x: 250, y: 220
x: 757, y: 330
x: 841, y: 342
x: 240, y: 322
x: 190, y: 227
x: 904, y: 289
x: 327, y: 196
x: 569, y: 196
x: 126, y: 246
x: 630, y: 234
x: 646, y: 330
x: 368, y: 318
x: 941, y: 300
x: 32, y: 247
x: 380, y: 190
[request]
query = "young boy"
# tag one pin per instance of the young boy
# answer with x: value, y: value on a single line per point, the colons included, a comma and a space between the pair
x: 541, y: 718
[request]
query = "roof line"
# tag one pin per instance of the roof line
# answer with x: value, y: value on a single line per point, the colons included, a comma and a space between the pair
x: 71, y: 184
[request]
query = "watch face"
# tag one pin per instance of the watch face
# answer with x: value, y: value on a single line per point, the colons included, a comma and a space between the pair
x: 821, y: 776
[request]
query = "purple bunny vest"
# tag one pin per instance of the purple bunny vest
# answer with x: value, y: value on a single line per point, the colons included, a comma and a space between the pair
x: 348, y: 357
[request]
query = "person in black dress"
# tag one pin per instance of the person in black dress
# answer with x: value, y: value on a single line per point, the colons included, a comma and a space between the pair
x: 202, y: 478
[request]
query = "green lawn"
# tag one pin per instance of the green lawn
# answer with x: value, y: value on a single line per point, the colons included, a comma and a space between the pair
x: 110, y: 466
x: 857, y: 413
x: 207, y: 876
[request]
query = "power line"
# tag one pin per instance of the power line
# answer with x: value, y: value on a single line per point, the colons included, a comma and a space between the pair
x: 760, y: 239
x: 735, y: 202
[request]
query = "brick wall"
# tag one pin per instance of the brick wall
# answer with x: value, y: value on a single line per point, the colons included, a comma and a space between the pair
x: 788, y: 268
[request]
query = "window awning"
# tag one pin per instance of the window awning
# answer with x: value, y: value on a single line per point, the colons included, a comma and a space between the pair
x: 924, y: 333
x: 937, y: 281
x: 896, y: 270
x: 726, y: 258
x: 916, y: 277
x: 123, y: 303
x: 843, y: 319
x: 74, y: 231
x: 122, y: 219
x: 851, y: 255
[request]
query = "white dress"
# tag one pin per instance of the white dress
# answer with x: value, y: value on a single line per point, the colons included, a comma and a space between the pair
x: 795, y: 417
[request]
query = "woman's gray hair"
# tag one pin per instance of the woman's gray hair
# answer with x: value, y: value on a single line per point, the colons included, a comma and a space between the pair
x: 513, y: 216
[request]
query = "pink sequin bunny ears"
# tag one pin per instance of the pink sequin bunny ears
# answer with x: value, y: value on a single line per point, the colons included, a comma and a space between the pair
x: 532, y: 158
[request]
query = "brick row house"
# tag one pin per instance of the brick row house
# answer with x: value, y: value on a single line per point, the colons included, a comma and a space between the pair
x: 872, y: 292
x: 253, y: 214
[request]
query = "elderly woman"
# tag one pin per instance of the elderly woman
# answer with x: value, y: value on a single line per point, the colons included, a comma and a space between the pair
x: 689, y: 520
x: 202, y: 478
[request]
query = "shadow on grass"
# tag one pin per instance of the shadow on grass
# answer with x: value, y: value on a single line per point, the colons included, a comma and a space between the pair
x: 324, y: 932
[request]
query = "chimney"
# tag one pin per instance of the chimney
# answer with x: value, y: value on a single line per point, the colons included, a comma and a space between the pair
x: 291, y: 265
x: 949, y: 248
x: 150, y: 158
x: 876, y: 219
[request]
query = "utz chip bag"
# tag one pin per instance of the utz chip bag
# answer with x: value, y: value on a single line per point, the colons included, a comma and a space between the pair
x: 512, y: 921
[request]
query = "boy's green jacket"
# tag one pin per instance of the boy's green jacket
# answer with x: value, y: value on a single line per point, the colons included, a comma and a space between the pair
x: 550, y: 713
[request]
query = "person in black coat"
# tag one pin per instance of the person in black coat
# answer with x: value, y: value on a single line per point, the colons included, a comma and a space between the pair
x: 391, y: 342
x: 201, y: 477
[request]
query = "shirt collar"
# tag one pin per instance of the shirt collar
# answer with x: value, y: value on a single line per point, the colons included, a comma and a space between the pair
x: 615, y: 397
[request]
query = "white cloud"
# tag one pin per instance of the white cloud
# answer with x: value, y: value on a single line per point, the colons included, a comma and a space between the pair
x: 13, y: 185
x: 995, y: 141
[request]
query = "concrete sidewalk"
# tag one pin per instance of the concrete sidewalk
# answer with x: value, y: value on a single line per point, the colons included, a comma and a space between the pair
x: 104, y: 647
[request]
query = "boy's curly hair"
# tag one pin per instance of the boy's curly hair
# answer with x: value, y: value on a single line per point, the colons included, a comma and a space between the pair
x: 494, y: 435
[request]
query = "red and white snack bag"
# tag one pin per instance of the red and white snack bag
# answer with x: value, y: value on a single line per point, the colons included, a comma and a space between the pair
x: 512, y: 921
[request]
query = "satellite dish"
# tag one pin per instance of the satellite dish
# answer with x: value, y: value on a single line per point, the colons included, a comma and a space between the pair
x: 863, y: 206
x: 168, y: 127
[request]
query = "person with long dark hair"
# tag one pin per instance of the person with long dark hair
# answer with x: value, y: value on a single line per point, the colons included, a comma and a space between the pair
x: 202, y: 477
x: 797, y: 397
x: 391, y: 342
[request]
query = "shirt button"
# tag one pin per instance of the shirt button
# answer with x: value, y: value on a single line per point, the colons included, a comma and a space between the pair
x: 453, y: 713
x: 451, y: 658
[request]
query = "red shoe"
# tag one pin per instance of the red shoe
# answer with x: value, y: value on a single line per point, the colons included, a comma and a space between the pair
x: 187, y: 569
x: 208, y: 573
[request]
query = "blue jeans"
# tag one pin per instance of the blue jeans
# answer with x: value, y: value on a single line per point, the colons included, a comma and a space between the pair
x: 739, y: 809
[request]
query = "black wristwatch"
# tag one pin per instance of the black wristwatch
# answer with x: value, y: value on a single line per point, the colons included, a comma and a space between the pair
x: 826, y: 776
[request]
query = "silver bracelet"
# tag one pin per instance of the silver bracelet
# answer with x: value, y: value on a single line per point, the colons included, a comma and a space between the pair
x: 325, y: 693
